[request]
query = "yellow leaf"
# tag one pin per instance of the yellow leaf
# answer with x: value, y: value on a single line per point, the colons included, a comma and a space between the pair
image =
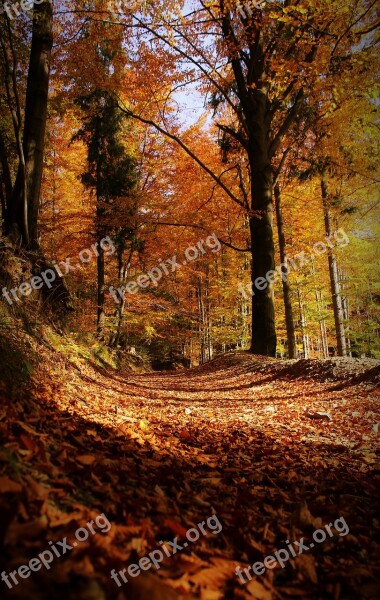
x: 144, y: 425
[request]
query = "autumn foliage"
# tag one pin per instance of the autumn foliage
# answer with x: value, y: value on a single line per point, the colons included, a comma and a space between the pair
x: 189, y: 184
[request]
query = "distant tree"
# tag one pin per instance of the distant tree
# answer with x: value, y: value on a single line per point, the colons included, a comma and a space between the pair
x: 111, y: 175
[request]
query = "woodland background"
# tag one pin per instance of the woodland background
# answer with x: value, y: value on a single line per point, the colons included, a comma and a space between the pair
x: 108, y: 173
x: 158, y: 124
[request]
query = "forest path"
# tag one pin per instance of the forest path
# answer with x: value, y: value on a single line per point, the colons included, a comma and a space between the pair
x: 162, y: 452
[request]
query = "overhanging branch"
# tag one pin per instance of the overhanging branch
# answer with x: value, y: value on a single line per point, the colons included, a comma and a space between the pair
x: 193, y: 226
x: 178, y: 140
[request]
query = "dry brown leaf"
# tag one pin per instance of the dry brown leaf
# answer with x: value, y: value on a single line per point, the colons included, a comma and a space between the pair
x: 303, y: 517
x: 149, y: 587
x: 306, y: 565
x: 8, y: 485
x: 86, y: 459
x: 19, y: 531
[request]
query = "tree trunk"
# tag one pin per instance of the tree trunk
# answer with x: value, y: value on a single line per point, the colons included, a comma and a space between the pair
x: 5, y: 185
x: 208, y: 313
x: 333, y: 270
x: 261, y: 231
x: 202, y: 322
x: 289, y: 319
x: 322, y: 325
x: 35, y: 120
x: 346, y: 312
x: 305, y: 339
x: 122, y: 269
x: 101, y: 289
x: 17, y: 207
x: 3, y: 205
x: 120, y: 318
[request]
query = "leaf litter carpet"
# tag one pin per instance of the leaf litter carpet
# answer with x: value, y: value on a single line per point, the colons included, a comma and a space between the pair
x: 274, y: 449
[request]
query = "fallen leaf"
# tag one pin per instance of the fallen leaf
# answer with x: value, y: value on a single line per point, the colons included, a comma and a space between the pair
x: 8, y: 485
x: 86, y: 459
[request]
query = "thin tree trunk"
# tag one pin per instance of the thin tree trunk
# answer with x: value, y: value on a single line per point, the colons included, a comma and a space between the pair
x: 289, y: 319
x: 5, y: 185
x: 202, y: 323
x: 305, y: 341
x: 324, y: 344
x: 322, y: 325
x: 346, y: 313
x: 3, y: 204
x: 123, y: 268
x: 333, y: 270
x: 208, y: 314
x: 100, y: 260
x: 101, y: 289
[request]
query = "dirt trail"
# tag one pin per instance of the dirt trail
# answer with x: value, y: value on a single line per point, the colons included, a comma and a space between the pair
x: 274, y: 449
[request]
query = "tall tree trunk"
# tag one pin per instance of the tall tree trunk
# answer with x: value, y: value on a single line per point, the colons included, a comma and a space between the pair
x: 261, y: 230
x: 333, y: 270
x: 202, y: 321
x: 22, y: 205
x: 346, y: 312
x: 322, y: 325
x: 101, y: 289
x: 5, y: 185
x: 3, y: 205
x: 122, y: 269
x: 35, y: 120
x: 305, y: 339
x: 100, y: 258
x: 289, y: 319
x: 208, y: 313
x: 17, y: 208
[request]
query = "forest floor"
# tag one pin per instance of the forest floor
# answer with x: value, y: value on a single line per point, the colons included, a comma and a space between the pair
x: 239, y: 438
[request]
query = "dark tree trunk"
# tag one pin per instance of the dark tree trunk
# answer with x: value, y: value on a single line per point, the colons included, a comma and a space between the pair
x: 17, y: 207
x: 289, y: 319
x: 101, y: 289
x: 334, y: 276
x: 22, y: 202
x: 201, y: 322
x: 261, y: 231
x: 3, y: 205
x: 263, y: 315
x: 5, y: 186
x: 35, y: 124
